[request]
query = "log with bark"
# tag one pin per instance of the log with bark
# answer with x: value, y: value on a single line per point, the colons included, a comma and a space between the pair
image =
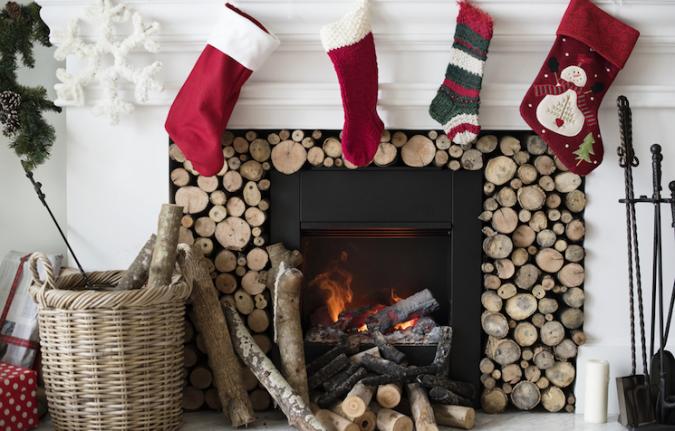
x: 163, y: 259
x: 387, y: 350
x: 210, y: 322
x: 291, y: 403
x: 419, y: 304
x: 278, y: 253
x: 391, y: 420
x: 335, y: 422
x: 137, y: 274
x: 422, y: 412
x: 455, y: 416
x: 341, y: 389
x: 336, y: 365
x: 323, y: 360
x: 443, y: 395
x: 466, y: 390
x: 287, y: 327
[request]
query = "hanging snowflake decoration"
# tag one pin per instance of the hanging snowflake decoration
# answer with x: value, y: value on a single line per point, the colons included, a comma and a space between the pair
x: 106, y: 60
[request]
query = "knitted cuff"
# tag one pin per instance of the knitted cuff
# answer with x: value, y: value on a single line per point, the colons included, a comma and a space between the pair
x: 244, y: 39
x: 348, y: 30
x: 609, y: 37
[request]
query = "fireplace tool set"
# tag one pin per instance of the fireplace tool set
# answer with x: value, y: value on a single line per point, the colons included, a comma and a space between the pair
x: 646, y: 401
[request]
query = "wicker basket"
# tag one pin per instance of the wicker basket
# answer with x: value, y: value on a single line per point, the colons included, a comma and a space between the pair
x: 111, y: 360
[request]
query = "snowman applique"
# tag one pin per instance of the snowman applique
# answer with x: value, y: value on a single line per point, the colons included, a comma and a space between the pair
x: 563, y: 109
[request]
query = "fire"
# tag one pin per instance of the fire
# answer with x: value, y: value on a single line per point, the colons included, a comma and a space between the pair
x: 337, y: 283
x: 407, y: 324
x: 394, y: 297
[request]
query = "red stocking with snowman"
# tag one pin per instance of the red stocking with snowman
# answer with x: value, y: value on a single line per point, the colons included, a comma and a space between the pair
x: 562, y: 104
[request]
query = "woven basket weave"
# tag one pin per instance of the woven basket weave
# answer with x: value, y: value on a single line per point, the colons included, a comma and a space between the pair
x: 111, y: 360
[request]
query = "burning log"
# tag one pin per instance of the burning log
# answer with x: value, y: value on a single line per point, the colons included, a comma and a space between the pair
x: 419, y: 304
x: 329, y: 398
x: 387, y: 350
x: 329, y: 370
x: 291, y: 403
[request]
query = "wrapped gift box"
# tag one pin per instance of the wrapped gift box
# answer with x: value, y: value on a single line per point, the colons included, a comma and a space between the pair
x: 18, y: 398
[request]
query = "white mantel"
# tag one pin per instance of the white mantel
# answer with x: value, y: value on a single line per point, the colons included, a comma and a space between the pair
x: 118, y: 176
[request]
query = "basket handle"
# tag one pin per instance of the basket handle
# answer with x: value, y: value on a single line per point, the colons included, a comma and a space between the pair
x: 50, y: 281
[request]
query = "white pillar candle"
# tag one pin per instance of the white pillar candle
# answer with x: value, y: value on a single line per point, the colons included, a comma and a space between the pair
x: 597, y: 380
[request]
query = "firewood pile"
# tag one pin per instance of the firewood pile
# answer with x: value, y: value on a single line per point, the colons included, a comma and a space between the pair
x: 533, y: 277
x: 366, y: 389
x: 533, y: 266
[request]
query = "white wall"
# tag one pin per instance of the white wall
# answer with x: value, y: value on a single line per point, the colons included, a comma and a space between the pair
x: 24, y: 223
x: 117, y: 176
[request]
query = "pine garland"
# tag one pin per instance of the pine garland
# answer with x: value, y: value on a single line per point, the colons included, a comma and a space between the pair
x: 21, y: 107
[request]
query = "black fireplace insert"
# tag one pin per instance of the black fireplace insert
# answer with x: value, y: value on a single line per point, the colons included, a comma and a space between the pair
x: 384, y: 234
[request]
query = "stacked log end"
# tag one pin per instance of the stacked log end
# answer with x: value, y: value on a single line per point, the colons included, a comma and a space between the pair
x: 533, y: 278
x: 533, y: 248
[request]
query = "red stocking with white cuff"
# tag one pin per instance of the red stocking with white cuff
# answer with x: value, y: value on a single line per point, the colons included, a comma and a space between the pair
x: 238, y: 46
x: 350, y: 45
x: 561, y: 106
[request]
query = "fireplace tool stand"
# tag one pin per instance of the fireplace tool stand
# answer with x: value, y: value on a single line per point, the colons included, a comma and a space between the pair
x: 642, y: 407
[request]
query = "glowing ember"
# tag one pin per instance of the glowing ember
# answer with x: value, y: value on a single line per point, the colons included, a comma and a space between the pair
x: 405, y: 325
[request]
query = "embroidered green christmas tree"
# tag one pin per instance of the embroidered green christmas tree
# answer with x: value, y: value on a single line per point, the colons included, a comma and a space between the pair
x: 585, y: 150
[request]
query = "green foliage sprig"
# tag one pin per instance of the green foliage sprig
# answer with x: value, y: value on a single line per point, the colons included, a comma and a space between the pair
x: 21, y: 107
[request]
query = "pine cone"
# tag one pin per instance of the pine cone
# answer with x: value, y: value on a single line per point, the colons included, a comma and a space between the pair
x: 9, y: 112
x: 13, y: 9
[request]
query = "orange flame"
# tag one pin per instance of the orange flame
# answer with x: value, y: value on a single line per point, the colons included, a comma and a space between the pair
x: 405, y: 325
x: 337, y: 283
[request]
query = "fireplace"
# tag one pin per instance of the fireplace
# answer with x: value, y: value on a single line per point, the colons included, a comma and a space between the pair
x: 374, y: 236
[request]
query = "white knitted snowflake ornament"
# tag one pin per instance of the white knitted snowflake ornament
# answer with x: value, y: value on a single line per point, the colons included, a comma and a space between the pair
x: 106, y: 60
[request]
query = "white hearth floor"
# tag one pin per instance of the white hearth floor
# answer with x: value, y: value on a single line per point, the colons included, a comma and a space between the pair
x: 516, y: 421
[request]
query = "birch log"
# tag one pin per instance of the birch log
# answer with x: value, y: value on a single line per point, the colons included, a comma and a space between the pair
x: 422, y: 412
x: 210, y: 322
x: 137, y: 274
x: 291, y: 403
x: 164, y: 254
x: 287, y: 329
